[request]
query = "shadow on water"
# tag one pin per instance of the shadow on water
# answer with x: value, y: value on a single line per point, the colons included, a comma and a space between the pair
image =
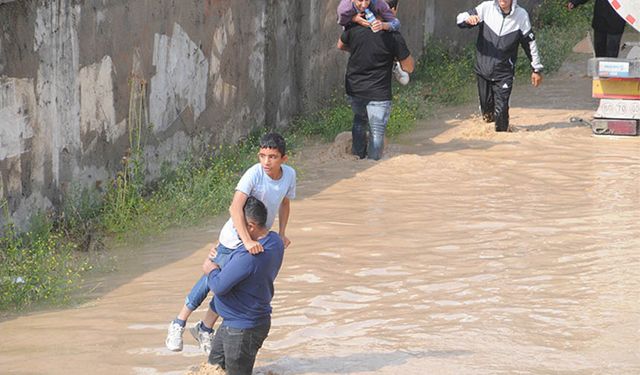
x: 354, y: 363
x: 548, y: 126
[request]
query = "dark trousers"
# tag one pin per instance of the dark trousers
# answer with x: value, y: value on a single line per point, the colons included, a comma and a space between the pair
x: 494, y: 100
x: 235, y: 350
x: 606, y: 45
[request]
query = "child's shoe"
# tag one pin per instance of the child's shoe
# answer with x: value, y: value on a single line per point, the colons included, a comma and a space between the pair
x: 174, y: 337
x: 204, y: 338
x: 399, y: 74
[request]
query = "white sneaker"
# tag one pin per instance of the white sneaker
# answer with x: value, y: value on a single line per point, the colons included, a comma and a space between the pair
x: 205, y: 339
x: 174, y: 337
x: 399, y: 74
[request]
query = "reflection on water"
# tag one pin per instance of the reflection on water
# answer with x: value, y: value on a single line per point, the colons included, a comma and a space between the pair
x: 469, y: 253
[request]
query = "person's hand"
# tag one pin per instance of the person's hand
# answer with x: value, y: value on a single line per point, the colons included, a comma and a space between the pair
x: 360, y: 20
x: 286, y: 240
x: 570, y: 5
x: 208, y: 266
x: 213, y: 252
x: 253, y: 247
x: 377, y: 26
x: 472, y: 20
x: 536, y: 79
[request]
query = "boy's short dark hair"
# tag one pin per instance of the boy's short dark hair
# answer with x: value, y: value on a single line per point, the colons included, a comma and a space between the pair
x: 255, y: 211
x: 274, y: 140
x: 392, y: 3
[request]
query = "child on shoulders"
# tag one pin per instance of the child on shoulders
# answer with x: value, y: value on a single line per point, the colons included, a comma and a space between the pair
x: 350, y: 11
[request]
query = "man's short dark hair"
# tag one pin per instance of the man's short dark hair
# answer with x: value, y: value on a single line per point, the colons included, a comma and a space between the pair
x: 392, y: 3
x: 255, y: 211
x: 274, y: 140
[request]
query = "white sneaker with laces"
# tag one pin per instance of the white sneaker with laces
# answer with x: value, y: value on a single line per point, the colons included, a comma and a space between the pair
x: 174, y: 337
x: 204, y: 338
x: 399, y: 74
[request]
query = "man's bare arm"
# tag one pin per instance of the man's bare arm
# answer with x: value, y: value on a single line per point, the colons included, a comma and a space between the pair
x: 342, y: 46
x: 408, y: 64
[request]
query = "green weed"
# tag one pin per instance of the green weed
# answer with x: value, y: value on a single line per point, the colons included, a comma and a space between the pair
x: 39, y: 266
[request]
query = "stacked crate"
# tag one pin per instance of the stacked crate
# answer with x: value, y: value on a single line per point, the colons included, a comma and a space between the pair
x: 616, y: 82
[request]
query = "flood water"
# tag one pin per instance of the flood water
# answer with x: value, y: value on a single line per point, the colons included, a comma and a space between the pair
x: 462, y: 252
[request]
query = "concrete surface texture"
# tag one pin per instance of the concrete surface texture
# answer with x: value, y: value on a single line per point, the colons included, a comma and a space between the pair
x: 213, y: 71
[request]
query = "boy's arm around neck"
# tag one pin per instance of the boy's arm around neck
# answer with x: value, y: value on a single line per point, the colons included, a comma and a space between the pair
x: 393, y: 23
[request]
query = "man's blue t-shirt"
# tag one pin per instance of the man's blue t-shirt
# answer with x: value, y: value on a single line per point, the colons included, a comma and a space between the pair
x: 244, y: 288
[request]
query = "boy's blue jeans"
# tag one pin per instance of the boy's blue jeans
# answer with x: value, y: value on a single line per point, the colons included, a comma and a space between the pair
x: 373, y: 115
x: 200, y: 290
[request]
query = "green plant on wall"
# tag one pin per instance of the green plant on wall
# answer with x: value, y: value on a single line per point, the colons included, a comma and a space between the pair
x: 124, y: 198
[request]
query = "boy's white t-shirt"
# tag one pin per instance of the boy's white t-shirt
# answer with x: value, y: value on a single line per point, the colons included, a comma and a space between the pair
x: 256, y: 183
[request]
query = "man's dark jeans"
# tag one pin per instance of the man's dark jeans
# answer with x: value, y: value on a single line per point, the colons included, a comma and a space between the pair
x: 235, y: 349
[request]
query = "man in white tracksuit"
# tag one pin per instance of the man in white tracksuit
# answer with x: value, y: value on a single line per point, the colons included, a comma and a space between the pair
x: 503, y: 25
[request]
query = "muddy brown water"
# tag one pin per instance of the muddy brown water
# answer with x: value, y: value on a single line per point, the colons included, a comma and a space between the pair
x: 462, y: 252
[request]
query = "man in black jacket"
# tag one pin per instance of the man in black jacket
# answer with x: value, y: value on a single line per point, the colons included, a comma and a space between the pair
x: 607, y: 25
x: 503, y: 27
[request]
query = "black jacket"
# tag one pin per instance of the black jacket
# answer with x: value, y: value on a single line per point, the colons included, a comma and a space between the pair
x: 605, y: 18
x: 499, y: 37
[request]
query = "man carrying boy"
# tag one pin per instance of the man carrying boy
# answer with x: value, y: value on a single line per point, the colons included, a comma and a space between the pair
x: 274, y: 184
x: 503, y: 26
x: 243, y: 291
x: 349, y: 14
x: 368, y: 82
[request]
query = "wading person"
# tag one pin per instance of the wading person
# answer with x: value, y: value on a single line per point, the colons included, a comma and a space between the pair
x: 503, y: 26
x: 368, y: 82
x: 607, y: 26
x: 243, y: 290
x: 274, y: 184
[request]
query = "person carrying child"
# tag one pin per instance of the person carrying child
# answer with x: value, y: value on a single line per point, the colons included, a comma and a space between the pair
x: 352, y: 12
x: 274, y: 184
x: 243, y: 291
x: 368, y: 83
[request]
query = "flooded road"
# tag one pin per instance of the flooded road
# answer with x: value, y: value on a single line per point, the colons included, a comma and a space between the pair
x: 462, y: 252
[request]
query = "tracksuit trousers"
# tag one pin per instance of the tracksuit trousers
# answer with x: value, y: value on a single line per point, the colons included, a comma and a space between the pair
x: 605, y: 44
x: 494, y: 100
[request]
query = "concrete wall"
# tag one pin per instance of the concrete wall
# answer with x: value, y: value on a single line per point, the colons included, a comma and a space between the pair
x: 213, y: 71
